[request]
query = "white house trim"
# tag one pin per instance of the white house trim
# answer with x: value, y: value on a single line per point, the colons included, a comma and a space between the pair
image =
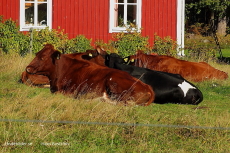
x: 180, y: 26
x: 24, y: 27
x: 112, y: 28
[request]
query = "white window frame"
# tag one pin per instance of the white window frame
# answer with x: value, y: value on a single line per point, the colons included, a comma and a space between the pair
x: 180, y: 26
x: 112, y: 28
x: 23, y: 26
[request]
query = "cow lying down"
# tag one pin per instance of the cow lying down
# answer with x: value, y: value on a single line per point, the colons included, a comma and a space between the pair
x: 43, y: 81
x: 168, y: 87
x: 76, y: 76
x: 192, y: 71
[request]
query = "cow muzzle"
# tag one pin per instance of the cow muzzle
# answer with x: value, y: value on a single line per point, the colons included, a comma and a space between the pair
x: 30, y: 70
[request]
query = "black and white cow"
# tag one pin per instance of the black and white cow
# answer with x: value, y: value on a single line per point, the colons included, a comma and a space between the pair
x: 168, y: 87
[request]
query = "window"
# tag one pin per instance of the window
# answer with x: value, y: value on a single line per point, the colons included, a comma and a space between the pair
x: 123, y: 13
x: 35, y: 14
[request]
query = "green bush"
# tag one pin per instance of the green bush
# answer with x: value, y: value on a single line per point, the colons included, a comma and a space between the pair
x: 108, y: 47
x: 165, y: 46
x: 224, y: 41
x: 47, y: 36
x: 11, y: 40
x: 199, y: 29
x: 78, y: 44
x: 125, y: 44
x: 128, y: 43
x: 60, y: 41
x: 201, y: 48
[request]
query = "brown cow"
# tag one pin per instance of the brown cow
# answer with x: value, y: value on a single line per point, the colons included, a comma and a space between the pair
x: 34, y: 80
x: 75, y: 76
x: 43, y: 81
x: 192, y: 71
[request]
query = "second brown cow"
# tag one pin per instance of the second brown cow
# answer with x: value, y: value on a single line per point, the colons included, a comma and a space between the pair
x: 193, y: 71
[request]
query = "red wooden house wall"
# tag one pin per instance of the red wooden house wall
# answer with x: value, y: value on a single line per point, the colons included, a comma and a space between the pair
x: 87, y: 17
x: 10, y: 9
x: 91, y: 17
x: 159, y: 17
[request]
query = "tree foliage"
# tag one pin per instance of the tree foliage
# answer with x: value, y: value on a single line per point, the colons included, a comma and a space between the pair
x: 219, y: 7
x: 205, y: 11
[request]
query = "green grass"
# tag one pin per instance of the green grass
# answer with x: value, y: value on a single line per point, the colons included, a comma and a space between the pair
x: 20, y: 102
x: 226, y: 52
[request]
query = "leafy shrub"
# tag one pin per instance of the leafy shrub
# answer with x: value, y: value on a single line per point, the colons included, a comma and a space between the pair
x: 11, y: 40
x: 108, y: 47
x: 203, y: 53
x: 125, y: 44
x: 165, y: 46
x: 201, y: 48
x: 60, y: 41
x: 78, y: 44
x: 47, y: 36
x: 228, y: 30
x: 224, y: 41
x: 128, y: 43
x: 199, y: 29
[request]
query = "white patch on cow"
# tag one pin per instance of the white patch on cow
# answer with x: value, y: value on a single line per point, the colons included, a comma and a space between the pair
x: 110, y: 79
x: 185, y: 86
x: 105, y: 96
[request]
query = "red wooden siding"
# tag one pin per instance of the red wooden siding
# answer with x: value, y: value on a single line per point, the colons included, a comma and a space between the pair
x: 10, y: 9
x: 91, y: 17
x: 86, y: 17
x: 159, y: 17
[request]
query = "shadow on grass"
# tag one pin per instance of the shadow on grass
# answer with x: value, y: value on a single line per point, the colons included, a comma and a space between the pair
x: 224, y: 60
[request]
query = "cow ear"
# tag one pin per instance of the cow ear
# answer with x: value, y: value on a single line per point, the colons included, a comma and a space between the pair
x: 99, y: 50
x: 56, y: 55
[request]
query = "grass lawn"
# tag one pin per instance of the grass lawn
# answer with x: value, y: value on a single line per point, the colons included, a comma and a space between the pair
x: 226, y: 52
x: 21, y: 102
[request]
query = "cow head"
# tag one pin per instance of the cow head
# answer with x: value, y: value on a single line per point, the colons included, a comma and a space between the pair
x: 132, y: 59
x: 112, y: 59
x: 140, y: 59
x: 44, y: 61
x: 192, y: 95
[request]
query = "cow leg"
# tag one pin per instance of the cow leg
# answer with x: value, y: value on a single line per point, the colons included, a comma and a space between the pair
x: 125, y: 90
